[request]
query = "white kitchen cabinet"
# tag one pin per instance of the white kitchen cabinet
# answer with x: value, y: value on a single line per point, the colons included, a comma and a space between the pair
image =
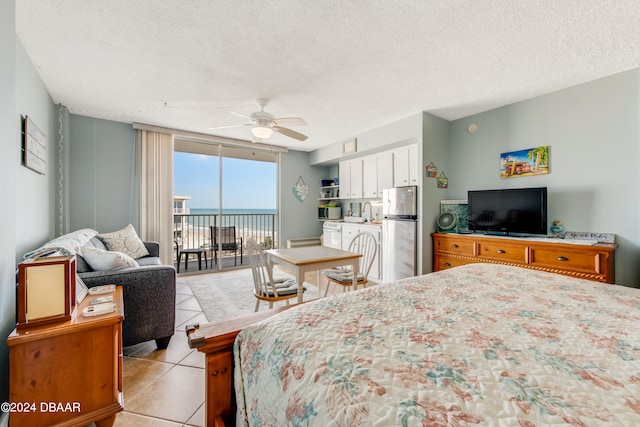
x: 370, y: 177
x: 377, y: 173
x: 351, y: 179
x: 385, y: 171
x: 356, y: 178
x: 414, y: 165
x: 405, y: 166
x: 345, y: 179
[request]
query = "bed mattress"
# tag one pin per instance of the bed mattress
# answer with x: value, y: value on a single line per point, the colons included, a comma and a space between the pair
x: 479, y: 344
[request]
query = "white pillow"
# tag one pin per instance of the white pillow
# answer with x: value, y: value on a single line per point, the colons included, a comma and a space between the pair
x: 101, y: 260
x: 125, y: 241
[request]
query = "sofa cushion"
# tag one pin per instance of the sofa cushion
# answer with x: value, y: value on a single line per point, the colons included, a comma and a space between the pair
x: 95, y: 242
x: 125, y: 241
x: 81, y: 264
x: 101, y: 260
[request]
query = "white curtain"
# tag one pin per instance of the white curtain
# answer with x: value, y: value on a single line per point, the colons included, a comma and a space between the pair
x: 156, y: 191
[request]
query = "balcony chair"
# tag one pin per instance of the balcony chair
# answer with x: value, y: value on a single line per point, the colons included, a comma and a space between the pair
x: 266, y: 286
x: 229, y: 242
x: 365, y: 244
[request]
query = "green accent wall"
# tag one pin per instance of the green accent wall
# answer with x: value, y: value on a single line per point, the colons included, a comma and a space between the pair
x: 27, y: 218
x: 103, y: 174
x: 593, y: 134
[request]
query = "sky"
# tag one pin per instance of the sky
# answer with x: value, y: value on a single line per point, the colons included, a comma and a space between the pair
x: 247, y: 184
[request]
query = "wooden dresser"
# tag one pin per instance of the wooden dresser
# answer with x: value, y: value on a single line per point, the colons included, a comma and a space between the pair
x: 592, y: 262
x: 68, y: 373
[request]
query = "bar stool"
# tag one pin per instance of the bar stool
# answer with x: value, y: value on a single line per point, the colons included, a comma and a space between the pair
x: 187, y: 252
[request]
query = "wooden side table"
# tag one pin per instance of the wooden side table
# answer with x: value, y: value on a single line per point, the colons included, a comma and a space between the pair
x: 69, y: 373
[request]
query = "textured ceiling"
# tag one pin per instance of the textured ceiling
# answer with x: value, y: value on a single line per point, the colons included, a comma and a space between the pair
x: 343, y: 66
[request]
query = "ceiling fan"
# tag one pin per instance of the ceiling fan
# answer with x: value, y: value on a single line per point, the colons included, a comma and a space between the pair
x: 264, y: 124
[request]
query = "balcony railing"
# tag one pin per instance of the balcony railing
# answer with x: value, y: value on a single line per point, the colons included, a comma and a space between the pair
x: 193, y: 230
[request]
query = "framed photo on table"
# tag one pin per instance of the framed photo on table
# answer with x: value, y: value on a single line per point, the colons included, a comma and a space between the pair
x: 81, y: 290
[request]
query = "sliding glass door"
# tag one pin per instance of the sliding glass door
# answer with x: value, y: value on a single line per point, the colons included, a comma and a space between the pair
x: 222, y: 197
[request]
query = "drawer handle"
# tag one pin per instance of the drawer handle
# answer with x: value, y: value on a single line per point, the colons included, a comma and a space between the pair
x: 446, y: 264
x: 563, y: 258
x: 502, y: 251
x: 455, y: 246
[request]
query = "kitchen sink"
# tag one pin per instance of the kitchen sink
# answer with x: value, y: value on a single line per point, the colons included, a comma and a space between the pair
x: 353, y: 219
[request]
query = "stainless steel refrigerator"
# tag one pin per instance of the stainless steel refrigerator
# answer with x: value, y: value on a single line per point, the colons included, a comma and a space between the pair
x: 399, y: 225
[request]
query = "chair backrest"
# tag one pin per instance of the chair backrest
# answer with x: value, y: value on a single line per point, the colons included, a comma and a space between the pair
x: 227, y: 236
x: 364, y: 243
x: 260, y: 269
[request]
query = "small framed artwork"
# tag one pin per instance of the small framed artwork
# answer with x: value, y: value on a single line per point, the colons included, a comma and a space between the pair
x: 432, y: 170
x: 527, y: 162
x: 443, y: 181
x: 35, y: 147
x: 81, y: 290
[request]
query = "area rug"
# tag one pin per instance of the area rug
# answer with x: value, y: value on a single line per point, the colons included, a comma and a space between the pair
x: 230, y: 294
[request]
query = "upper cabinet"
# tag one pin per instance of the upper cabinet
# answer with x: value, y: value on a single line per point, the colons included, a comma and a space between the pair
x: 370, y: 177
x: 385, y: 171
x: 365, y: 177
x: 405, y: 166
x: 351, y: 179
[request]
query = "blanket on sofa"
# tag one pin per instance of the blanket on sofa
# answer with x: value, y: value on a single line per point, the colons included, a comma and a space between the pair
x: 68, y: 244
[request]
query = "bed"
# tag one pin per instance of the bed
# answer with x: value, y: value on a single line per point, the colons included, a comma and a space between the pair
x: 480, y: 344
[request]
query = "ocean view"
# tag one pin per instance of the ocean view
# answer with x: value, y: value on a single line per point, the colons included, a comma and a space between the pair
x: 213, y: 211
x: 193, y: 229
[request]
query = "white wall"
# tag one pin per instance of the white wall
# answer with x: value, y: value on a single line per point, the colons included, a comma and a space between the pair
x: 593, y: 134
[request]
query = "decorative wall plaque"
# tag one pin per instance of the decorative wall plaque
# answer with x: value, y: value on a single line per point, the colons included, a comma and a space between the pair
x: 35, y: 147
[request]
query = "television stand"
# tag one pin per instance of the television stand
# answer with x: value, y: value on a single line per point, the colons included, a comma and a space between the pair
x: 591, y: 262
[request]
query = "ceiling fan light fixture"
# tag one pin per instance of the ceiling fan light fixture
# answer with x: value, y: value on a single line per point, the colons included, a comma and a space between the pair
x: 262, y: 132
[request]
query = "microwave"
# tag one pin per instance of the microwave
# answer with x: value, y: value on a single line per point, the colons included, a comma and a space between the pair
x: 330, y: 213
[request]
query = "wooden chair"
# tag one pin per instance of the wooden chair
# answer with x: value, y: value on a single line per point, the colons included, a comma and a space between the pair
x: 365, y: 244
x: 229, y: 242
x: 266, y: 288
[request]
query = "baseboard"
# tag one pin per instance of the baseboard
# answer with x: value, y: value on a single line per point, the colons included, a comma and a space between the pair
x: 4, y: 419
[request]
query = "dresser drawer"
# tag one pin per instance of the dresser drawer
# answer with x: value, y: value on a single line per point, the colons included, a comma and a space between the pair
x: 502, y: 251
x: 456, y: 246
x: 567, y: 259
x: 444, y: 262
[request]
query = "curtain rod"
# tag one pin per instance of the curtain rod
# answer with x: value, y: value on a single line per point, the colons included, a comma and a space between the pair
x: 201, y: 137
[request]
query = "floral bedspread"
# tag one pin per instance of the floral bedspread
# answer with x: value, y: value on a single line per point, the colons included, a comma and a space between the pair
x: 480, y: 344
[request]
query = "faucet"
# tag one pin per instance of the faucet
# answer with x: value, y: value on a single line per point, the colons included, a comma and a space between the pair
x: 364, y: 207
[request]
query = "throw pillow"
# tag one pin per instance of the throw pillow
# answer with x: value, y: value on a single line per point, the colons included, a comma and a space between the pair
x: 125, y: 241
x: 101, y: 260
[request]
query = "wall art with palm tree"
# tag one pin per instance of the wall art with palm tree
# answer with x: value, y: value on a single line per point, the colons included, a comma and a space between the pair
x: 527, y: 162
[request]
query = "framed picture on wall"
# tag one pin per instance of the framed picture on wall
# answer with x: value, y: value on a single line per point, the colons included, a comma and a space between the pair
x: 527, y: 162
x: 35, y: 147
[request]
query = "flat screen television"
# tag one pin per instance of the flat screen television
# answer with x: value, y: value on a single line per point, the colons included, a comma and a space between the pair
x: 517, y: 211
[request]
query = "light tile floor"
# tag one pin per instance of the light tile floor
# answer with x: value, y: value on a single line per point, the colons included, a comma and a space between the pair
x: 165, y: 388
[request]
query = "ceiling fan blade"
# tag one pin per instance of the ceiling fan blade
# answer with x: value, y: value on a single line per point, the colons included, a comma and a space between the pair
x: 232, y: 126
x: 244, y: 116
x: 290, y: 133
x: 290, y: 121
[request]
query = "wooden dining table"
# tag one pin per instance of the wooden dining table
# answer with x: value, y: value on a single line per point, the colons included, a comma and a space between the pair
x: 313, y: 258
